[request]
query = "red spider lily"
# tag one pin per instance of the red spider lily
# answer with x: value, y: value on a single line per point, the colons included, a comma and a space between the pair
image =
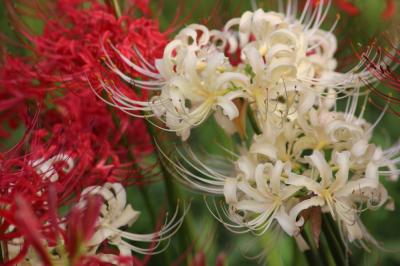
x: 71, y: 150
x: 93, y: 135
x: 57, y: 165
x: 80, y: 227
x: 70, y: 41
x: 15, y: 90
x: 74, y: 125
x: 31, y: 176
x: 385, y: 73
x: 19, y: 178
x: 70, y: 50
x: 352, y: 10
x: 142, y: 5
x: 75, y: 147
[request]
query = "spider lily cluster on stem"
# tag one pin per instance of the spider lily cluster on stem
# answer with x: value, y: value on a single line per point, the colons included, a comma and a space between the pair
x: 306, y: 154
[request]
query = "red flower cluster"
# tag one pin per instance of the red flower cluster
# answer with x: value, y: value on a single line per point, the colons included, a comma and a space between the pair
x: 68, y: 242
x: 74, y: 140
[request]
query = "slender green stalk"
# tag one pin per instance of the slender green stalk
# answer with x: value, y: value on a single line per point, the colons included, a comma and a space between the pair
x: 311, y: 255
x: 142, y: 190
x: 114, y: 4
x: 334, y: 242
x: 334, y: 227
x: 117, y: 8
x: 325, y: 251
x: 187, y: 235
x: 173, y: 197
x: 145, y: 195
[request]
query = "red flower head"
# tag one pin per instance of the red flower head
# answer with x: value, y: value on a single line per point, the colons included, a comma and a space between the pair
x: 70, y: 234
x: 68, y: 52
x: 75, y: 141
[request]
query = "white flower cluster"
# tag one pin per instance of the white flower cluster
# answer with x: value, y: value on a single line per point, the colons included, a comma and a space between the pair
x: 308, y: 153
x: 284, y: 66
x: 321, y: 159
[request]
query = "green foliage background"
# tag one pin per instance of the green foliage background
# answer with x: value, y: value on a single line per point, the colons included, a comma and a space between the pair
x: 200, y: 227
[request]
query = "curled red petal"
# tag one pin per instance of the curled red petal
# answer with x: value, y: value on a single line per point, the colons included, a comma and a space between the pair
x: 27, y: 222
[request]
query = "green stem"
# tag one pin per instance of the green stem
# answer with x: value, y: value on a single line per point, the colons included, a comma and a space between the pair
x: 173, y: 195
x: 334, y: 227
x: 117, y: 8
x: 325, y: 251
x: 145, y: 195
x: 114, y: 4
x: 334, y: 242
x: 299, y: 258
x: 187, y: 235
x: 142, y: 190
x: 311, y: 255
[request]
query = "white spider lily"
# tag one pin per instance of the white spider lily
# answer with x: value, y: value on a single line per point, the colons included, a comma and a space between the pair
x: 334, y: 194
x: 275, y: 60
x: 287, y: 65
x: 324, y: 128
x: 273, y: 87
x: 282, y: 143
x: 316, y: 129
x: 194, y: 79
x: 263, y: 199
x: 268, y: 196
x: 255, y: 196
x: 295, y: 48
x: 286, y: 75
x: 208, y: 180
x: 204, y: 90
x: 116, y: 213
x: 374, y: 160
x: 302, y: 37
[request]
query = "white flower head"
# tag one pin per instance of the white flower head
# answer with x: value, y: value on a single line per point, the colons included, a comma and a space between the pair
x: 115, y: 213
x: 334, y: 192
x: 257, y: 202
